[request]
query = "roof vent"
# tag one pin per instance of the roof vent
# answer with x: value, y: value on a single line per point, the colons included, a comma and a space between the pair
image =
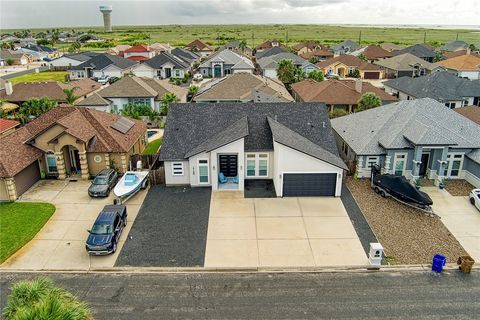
x: 323, y: 124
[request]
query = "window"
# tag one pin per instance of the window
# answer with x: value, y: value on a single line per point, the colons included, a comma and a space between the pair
x: 51, y: 162
x: 159, y: 73
x: 257, y: 165
x: 177, y: 73
x: 400, y: 163
x: 454, y: 164
x: 145, y: 101
x: 451, y: 105
x: 371, y: 161
x: 97, y: 158
x: 177, y: 168
x: 202, y: 171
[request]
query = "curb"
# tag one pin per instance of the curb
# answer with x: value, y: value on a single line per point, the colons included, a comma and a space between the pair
x: 172, y: 270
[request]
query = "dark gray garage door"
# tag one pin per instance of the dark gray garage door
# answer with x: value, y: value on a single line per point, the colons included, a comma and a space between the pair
x: 309, y: 184
x: 27, y: 177
x: 371, y: 75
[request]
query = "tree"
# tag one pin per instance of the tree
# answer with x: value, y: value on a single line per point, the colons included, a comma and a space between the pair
x: 361, y: 56
x: 167, y: 99
x: 75, y: 47
x: 242, y: 45
x: 137, y: 110
x: 286, y: 71
x: 55, y: 36
x: 313, y: 59
x: 367, y: 101
x: 438, y: 57
x: 43, y: 42
x: 193, y: 89
x: 41, y: 299
x: 355, y: 73
x: 9, y: 61
x: 70, y: 95
x: 8, y: 45
x: 316, y: 75
x: 35, y: 107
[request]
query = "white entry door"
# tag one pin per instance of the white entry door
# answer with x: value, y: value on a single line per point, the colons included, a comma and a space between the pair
x: 203, y: 176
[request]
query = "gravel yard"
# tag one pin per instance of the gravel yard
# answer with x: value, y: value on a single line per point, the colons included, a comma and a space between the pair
x: 408, y: 235
x: 458, y: 187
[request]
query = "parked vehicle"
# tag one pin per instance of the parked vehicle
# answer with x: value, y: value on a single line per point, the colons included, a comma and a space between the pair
x: 113, y: 79
x: 106, y: 230
x: 400, y: 189
x: 103, y: 79
x: 475, y: 198
x: 103, y: 183
x: 197, y: 77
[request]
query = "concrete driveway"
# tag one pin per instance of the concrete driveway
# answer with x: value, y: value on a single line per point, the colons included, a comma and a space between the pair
x: 280, y: 232
x: 60, y: 244
x: 460, y: 217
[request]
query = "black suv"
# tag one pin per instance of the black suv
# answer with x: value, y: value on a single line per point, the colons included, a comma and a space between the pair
x: 103, y: 183
x: 106, y: 230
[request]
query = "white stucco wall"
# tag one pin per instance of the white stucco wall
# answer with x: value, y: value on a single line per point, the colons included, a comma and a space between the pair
x: 288, y: 160
x: 472, y: 75
x: 170, y: 179
x: 270, y: 73
x: 143, y: 70
x: 242, y: 70
x: 111, y: 71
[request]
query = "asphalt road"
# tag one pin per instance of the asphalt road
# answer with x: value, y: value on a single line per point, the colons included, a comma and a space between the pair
x: 375, y: 295
x: 21, y: 73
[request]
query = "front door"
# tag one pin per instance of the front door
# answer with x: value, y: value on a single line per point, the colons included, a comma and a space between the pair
x: 228, y: 165
x: 217, y: 71
x: 424, y: 164
x: 168, y: 73
x: 400, y: 163
x: 203, y: 171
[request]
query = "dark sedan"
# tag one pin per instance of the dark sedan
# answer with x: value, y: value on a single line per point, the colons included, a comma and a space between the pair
x: 106, y: 230
x: 103, y: 183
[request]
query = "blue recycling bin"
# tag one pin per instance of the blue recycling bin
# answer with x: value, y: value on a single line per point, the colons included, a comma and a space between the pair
x: 438, y: 262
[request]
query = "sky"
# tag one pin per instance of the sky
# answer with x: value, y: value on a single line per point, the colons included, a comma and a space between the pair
x: 69, y: 13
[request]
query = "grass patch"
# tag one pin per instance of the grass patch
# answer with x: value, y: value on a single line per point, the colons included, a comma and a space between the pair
x: 42, y: 76
x: 153, y: 146
x: 19, y: 223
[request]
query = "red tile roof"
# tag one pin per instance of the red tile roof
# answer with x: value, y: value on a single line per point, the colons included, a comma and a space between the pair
x: 336, y: 91
x: 138, y: 58
x: 6, y: 124
x: 138, y: 48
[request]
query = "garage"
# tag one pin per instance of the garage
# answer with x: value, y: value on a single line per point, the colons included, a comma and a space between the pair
x: 26, y: 178
x: 371, y: 75
x: 309, y: 184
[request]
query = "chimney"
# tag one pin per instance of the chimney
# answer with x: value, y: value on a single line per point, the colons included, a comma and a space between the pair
x: 358, y: 85
x: 469, y: 51
x: 8, y: 88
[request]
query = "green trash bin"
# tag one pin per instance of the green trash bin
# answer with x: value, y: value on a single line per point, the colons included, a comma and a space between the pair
x: 465, y: 263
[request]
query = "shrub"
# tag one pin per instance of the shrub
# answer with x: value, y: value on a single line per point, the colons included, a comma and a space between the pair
x: 335, y: 113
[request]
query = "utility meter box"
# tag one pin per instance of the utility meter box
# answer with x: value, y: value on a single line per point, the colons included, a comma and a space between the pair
x: 375, y: 255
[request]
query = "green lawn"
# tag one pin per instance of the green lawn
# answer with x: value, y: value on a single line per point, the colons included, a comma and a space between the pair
x: 179, y: 35
x: 153, y: 146
x: 19, y: 223
x: 42, y: 76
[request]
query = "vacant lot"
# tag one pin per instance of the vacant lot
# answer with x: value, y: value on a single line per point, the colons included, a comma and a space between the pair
x: 19, y: 223
x: 179, y: 35
x: 42, y: 76
x: 408, y: 235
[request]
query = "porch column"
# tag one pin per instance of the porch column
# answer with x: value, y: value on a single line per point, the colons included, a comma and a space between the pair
x: 441, y: 167
x: 11, y: 189
x: 417, y: 161
x: 62, y: 174
x: 84, y: 165
x: 386, y: 164
x: 124, y: 164
x: 107, y: 160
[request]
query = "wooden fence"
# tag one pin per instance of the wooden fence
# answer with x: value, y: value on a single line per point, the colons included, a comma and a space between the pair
x: 155, y: 167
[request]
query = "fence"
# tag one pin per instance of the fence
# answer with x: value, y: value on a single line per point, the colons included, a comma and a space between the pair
x: 155, y: 167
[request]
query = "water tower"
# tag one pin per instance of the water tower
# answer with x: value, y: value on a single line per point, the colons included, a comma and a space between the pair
x: 107, y: 22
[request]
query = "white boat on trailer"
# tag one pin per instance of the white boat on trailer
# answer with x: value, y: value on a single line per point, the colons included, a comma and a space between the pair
x: 129, y: 184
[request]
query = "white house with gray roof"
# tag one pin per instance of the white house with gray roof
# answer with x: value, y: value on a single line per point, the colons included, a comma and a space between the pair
x: 162, y: 66
x: 227, y: 145
x: 225, y: 62
x: 417, y: 138
x: 442, y: 86
x: 269, y: 64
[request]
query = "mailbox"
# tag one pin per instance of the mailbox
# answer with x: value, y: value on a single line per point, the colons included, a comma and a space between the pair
x: 375, y: 255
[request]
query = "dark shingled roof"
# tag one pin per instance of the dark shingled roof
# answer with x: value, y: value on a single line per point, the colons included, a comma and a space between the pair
x: 185, y: 55
x: 191, y: 127
x: 102, y: 61
x: 417, y: 50
x: 164, y: 57
x: 441, y: 85
x: 270, y: 52
x: 291, y: 139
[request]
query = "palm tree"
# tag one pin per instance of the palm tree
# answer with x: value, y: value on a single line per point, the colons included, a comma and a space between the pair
x: 166, y: 100
x: 286, y: 71
x: 242, y: 45
x: 70, y: 95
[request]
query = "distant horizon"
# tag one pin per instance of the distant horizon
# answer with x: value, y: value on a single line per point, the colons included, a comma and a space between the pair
x: 371, y: 25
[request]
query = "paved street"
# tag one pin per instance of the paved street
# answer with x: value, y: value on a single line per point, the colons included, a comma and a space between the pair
x: 376, y: 295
